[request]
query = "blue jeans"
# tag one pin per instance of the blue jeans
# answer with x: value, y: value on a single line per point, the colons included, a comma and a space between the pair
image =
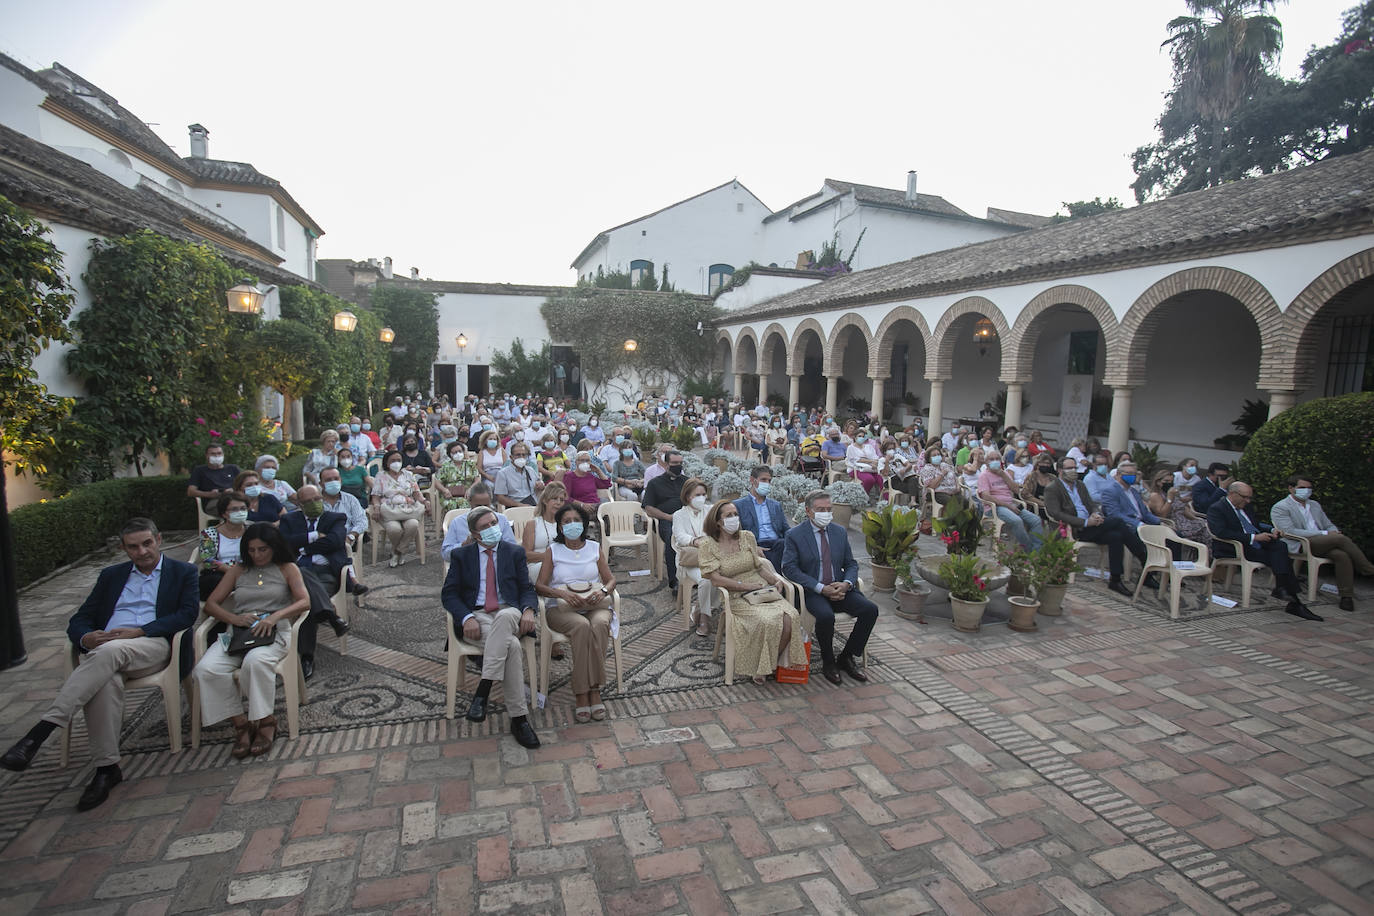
x: 1023, y: 525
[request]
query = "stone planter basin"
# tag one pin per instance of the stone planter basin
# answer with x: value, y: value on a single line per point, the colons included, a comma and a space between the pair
x: 995, y: 575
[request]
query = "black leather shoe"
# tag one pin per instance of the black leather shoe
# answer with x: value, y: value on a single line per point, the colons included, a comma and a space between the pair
x: 1347, y: 604
x: 339, y: 625
x: 1152, y: 580
x: 832, y: 674
x: 359, y: 590
x: 99, y: 789
x: 307, y: 667
x: 21, y: 755
x: 1298, y: 609
x: 850, y: 666
x: 1276, y: 593
x: 477, y: 712
x: 1116, y: 585
x: 524, y: 734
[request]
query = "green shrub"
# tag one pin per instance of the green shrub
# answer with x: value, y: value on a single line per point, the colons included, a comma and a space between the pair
x: 51, y: 534
x: 1331, y: 439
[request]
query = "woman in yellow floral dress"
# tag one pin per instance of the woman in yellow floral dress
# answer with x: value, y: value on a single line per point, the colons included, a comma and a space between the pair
x: 765, y: 635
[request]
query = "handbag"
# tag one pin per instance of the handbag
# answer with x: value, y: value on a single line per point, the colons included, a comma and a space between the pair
x: 392, y: 513
x: 244, y: 639
x: 689, y: 556
x: 761, y: 596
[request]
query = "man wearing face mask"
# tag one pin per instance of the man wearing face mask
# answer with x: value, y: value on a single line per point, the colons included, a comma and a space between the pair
x: 1230, y: 519
x: 518, y: 483
x: 1100, y: 480
x: 319, y: 540
x: 1298, y: 513
x: 1123, y: 501
x: 336, y: 499
x: 493, y: 604
x: 479, y: 495
x: 213, y: 479
x: 1068, y: 502
x: 592, y: 432
x: 663, y: 497
x: 995, y: 489
x: 817, y: 556
x: 763, y: 515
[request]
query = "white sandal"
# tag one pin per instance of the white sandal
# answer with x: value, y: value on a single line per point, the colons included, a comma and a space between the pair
x: 582, y: 714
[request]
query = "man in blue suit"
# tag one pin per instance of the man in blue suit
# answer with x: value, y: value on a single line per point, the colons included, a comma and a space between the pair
x: 1120, y: 499
x: 493, y: 604
x: 763, y: 515
x: 1230, y: 519
x: 123, y: 629
x: 817, y: 557
x: 1211, y: 489
x: 319, y: 539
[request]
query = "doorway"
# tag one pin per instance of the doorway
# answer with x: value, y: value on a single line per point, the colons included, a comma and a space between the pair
x: 446, y: 381
x: 479, y: 380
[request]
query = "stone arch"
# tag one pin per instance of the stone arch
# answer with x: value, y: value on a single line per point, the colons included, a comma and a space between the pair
x: 880, y: 352
x: 742, y: 365
x: 834, y: 356
x: 1126, y: 367
x: 1019, y: 349
x: 1295, y: 360
x: 766, y: 347
x: 796, y: 352
x: 725, y: 353
x: 940, y: 344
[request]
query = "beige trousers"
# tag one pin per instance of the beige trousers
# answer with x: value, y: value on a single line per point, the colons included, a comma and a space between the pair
x: 1347, y: 558
x: 97, y: 685
x: 257, y: 670
x: 502, y: 657
x: 589, y: 632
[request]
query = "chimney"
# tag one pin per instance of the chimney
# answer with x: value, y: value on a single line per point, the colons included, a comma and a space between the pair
x: 386, y: 267
x: 200, y: 141
x: 911, y: 186
x: 371, y: 262
x: 415, y: 273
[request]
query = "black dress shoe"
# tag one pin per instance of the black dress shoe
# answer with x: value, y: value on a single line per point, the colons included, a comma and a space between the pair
x: 1152, y: 580
x: 340, y: 626
x: 21, y: 755
x: 307, y: 667
x: 524, y: 734
x: 99, y: 789
x: 1298, y: 609
x: 477, y: 712
x: 850, y: 666
x: 1347, y: 604
x: 831, y: 673
x: 1116, y: 585
x: 359, y: 590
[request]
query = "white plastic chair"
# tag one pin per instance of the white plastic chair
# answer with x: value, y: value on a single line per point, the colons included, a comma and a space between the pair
x: 548, y: 636
x: 1313, y: 563
x: 288, y: 669
x: 519, y: 517
x: 835, y: 469
x: 1158, y: 558
x: 203, y: 519
x: 617, y: 522
x: 793, y: 593
x: 459, y: 650
x: 657, y: 565
x: 1247, y: 568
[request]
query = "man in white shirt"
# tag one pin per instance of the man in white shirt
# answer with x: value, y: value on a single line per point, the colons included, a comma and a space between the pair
x: 950, y: 440
x: 1298, y: 513
x: 479, y: 494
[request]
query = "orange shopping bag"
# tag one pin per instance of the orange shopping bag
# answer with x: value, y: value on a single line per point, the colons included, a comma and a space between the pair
x: 795, y: 675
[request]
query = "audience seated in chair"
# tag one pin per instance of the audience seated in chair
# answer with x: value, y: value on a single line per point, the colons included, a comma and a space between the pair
x: 1230, y: 519
x: 1299, y: 514
x: 1068, y: 502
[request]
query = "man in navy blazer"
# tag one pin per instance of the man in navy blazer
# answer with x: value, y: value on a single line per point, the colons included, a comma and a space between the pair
x: 829, y: 587
x: 763, y: 516
x: 1230, y: 519
x: 123, y: 629
x: 1120, y: 499
x: 319, y: 539
x: 493, y: 604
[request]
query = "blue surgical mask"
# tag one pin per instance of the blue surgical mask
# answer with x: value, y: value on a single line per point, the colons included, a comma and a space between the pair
x: 1101, y: 469
x: 332, y: 487
x: 1128, y: 479
x: 572, y: 531
x: 1191, y: 471
x: 936, y: 459
x: 619, y: 439
x: 627, y: 453
x: 252, y: 492
x: 764, y: 488
x: 355, y: 427
x: 490, y: 536
x: 1303, y: 492
x: 994, y: 465
x: 268, y: 473
x: 367, y: 426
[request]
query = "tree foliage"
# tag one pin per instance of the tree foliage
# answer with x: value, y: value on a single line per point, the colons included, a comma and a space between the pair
x: 291, y: 357
x: 517, y: 371
x: 1080, y: 208
x: 414, y: 316
x: 35, y: 300
x: 356, y: 370
x: 157, y: 345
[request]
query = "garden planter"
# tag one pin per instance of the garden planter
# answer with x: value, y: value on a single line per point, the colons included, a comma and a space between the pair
x: 1015, y: 586
x: 884, y: 577
x: 1052, y: 600
x: 722, y: 464
x: 911, y: 604
x: 968, y: 615
x: 1023, y: 614
x: 842, y: 513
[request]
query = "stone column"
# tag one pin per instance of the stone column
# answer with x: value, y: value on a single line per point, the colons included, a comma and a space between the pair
x: 1279, y: 401
x: 832, y: 393
x: 1119, y: 432
x: 1013, y: 417
x: 878, y: 399
x: 739, y: 386
x: 793, y: 391
x: 935, y: 424
x: 763, y: 388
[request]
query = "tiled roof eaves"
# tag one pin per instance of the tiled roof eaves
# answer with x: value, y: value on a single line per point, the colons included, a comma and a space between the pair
x: 601, y: 239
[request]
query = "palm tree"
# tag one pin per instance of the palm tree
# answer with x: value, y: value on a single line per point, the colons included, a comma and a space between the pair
x: 1220, y: 53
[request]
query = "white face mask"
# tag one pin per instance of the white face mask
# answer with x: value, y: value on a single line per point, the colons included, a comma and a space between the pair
x: 731, y: 524
x: 395, y: 466
x: 698, y: 503
x: 823, y: 519
x: 584, y: 466
x: 215, y: 460
x: 519, y: 463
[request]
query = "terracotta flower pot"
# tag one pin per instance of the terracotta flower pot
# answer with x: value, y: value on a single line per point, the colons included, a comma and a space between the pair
x: 723, y: 464
x: 968, y: 615
x: 1023, y: 614
x: 884, y: 577
x: 911, y: 605
x: 1052, y: 600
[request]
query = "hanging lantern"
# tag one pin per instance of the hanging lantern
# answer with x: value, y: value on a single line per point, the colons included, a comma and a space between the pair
x: 983, y: 334
x: 244, y: 299
x: 345, y: 321
x: 631, y: 345
x: 387, y: 335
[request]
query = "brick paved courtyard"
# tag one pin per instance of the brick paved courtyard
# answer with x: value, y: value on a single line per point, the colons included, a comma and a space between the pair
x: 1112, y: 762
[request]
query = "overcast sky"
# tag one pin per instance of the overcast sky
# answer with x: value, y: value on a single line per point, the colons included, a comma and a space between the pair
x: 492, y: 141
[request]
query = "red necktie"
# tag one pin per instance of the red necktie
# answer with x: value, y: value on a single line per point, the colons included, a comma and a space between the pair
x: 491, y: 602
x: 827, y: 563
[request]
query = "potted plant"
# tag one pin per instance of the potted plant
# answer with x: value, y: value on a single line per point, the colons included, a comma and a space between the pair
x: 890, y: 534
x: 719, y: 457
x: 1053, y: 562
x: 911, y: 591
x: 731, y: 485
x: 960, y: 526
x: 844, y: 496
x: 962, y: 574
x: 1023, y: 585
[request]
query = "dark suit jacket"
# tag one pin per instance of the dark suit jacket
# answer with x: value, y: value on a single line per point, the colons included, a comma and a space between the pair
x: 749, y: 519
x: 801, y: 558
x: 1059, y: 505
x: 1206, y: 493
x: 513, y: 587
x: 1223, y: 523
x: 331, y: 544
x: 178, y: 604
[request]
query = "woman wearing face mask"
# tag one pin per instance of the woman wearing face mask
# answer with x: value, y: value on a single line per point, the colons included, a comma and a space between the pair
x: 578, y: 578
x: 900, y: 472
x: 862, y: 460
x: 1035, y: 441
x: 1041, y: 476
x: 1016, y: 443
x: 266, y: 466
x: 1187, y: 474
x: 938, y: 476
x: 455, y: 475
x: 354, y: 477
x: 552, y: 461
x: 517, y: 483
x: 326, y: 456
x: 416, y: 460
x: 398, y: 505
x: 628, y: 472
x: 492, y: 456
x: 689, y: 530
x: 1021, y: 466
x: 542, y: 529
x: 220, y: 544
x: 583, y: 482
x: 262, y: 505
x: 1160, y: 495
x: 390, y: 432
x: 762, y: 633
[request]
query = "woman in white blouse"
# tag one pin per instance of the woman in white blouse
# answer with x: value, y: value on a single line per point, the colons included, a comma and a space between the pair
x: 266, y: 466
x: 688, y: 532
x: 540, y: 531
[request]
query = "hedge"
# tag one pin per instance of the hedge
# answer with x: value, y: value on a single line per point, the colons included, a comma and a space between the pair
x: 1331, y: 439
x: 49, y: 535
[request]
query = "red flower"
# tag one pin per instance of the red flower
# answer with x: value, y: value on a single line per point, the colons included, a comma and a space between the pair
x: 200, y: 420
x: 228, y: 441
x: 214, y: 433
